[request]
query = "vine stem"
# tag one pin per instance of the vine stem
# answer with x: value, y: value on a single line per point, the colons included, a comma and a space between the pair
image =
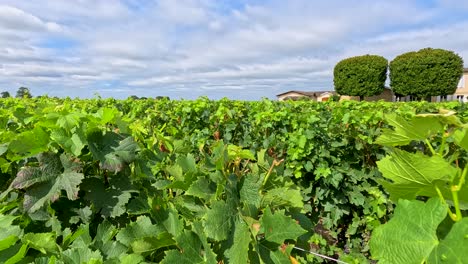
x: 452, y: 215
x: 462, y: 179
x: 456, y: 203
x: 430, y: 147
x: 442, y: 145
x: 274, y: 164
x: 455, y: 189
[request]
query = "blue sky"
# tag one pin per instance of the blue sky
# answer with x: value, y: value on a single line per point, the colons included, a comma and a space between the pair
x: 238, y: 49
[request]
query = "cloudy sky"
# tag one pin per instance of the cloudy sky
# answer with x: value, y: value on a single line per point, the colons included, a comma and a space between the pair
x: 241, y: 49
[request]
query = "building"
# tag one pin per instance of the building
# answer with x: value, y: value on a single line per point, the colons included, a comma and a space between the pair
x: 386, y: 95
x: 323, y: 96
x: 319, y: 96
x: 461, y: 94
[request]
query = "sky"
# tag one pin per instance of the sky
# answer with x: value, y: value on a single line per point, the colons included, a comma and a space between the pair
x: 184, y: 49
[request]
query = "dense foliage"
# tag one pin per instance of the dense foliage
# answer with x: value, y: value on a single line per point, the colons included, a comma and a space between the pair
x: 431, y: 164
x: 427, y: 72
x: 133, y: 181
x: 361, y: 76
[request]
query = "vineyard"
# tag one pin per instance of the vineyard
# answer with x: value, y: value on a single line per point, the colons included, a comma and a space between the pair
x: 163, y: 181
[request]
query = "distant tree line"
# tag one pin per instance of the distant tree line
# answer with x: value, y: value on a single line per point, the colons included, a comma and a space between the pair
x: 421, y: 74
x: 23, y: 92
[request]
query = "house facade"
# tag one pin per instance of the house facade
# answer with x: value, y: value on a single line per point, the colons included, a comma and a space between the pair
x: 319, y: 96
x: 386, y: 95
x: 461, y: 94
x: 323, y: 96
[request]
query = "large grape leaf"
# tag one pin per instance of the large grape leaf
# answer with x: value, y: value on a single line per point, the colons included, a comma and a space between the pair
x: 139, y: 229
x: 410, y: 236
x: 414, y: 174
x: 169, y: 219
x: 190, y: 250
x: 29, y: 143
x: 113, y: 150
x: 278, y: 227
x: 73, y: 144
x: 81, y: 255
x: 153, y: 243
x: 45, y: 183
x: 454, y: 247
x: 239, y: 251
x: 461, y: 138
x: 418, y: 128
x: 9, y: 233
x: 249, y: 191
x: 219, y: 220
x: 202, y: 188
x: 43, y: 242
x: 109, y: 200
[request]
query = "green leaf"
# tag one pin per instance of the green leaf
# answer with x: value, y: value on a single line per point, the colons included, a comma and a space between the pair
x: 202, y: 188
x: 29, y: 143
x: 73, y: 144
x: 454, y: 246
x: 170, y: 219
x: 219, y: 221
x: 153, y: 243
x: 141, y: 228
x: 43, y: 184
x: 279, y: 227
x: 239, y: 251
x: 8, y: 241
x: 131, y: 259
x: 14, y: 254
x: 9, y: 233
x: 418, y: 128
x: 44, y: 242
x: 112, y: 150
x: 69, y: 121
x: 210, y: 256
x: 414, y: 174
x: 191, y: 250
x: 235, y: 152
x: 81, y: 255
x: 410, y: 236
x: 283, y: 197
x: 461, y: 138
x: 249, y: 194
x: 106, y: 115
x: 110, y: 201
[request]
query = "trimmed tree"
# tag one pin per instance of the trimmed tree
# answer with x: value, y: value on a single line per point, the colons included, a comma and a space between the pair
x: 427, y: 72
x: 360, y: 76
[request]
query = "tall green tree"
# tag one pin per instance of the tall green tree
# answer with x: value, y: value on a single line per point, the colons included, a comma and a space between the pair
x: 23, y: 92
x: 5, y: 94
x: 427, y: 72
x: 360, y: 76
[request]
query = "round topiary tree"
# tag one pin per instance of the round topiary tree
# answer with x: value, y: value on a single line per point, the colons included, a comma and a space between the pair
x: 427, y: 72
x: 360, y: 76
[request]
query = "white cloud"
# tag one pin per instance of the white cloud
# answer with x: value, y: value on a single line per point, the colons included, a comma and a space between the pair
x: 14, y: 19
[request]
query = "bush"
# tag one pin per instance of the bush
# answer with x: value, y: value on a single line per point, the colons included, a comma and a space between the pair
x: 361, y: 76
x: 427, y: 72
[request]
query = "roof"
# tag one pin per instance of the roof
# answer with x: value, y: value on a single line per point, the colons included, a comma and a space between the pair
x: 465, y: 69
x: 308, y: 93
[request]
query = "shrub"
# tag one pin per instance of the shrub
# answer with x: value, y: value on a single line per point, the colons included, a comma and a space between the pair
x: 427, y: 72
x: 361, y: 76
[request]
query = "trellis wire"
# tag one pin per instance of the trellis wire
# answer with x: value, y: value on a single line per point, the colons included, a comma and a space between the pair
x: 320, y: 255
